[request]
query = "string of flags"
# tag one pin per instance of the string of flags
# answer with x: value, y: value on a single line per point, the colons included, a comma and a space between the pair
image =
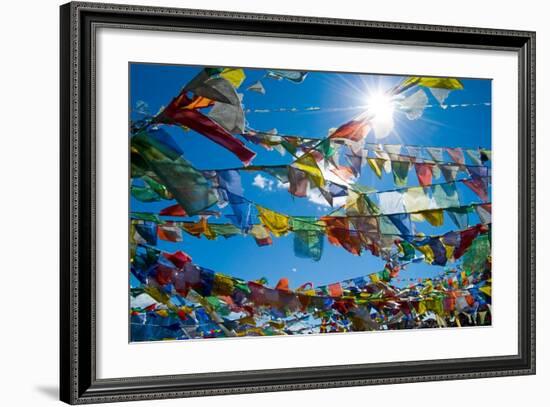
x: 258, y: 87
x: 185, y: 301
x: 173, y: 298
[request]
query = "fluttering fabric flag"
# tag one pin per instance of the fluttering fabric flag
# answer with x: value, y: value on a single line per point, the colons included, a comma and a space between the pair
x: 144, y: 232
x: 228, y: 115
x: 228, y: 112
x: 449, y: 171
x: 359, y: 204
x: 436, y: 153
x: 299, y: 183
x: 308, y: 237
x: 407, y: 250
x: 434, y: 217
x: 391, y: 202
x: 308, y: 164
x: 242, y: 212
x: 356, y: 162
x: 169, y: 232
x: 335, y: 290
x: 459, y: 216
x: 199, y: 102
x: 429, y: 82
x: 208, y: 86
x: 144, y: 194
x: 484, y: 213
x: 413, y: 106
x: 230, y: 181
x: 339, y: 234
x: 414, y: 152
x: 402, y: 221
x: 386, y: 161
x: 445, y: 195
x: 479, y: 186
x: 257, y: 87
x: 368, y: 227
x: 474, y: 156
x: 261, y: 235
x: 202, y: 124
x: 456, y: 154
x: 477, y: 171
x: 275, y: 222
x: 200, y: 228
x: 466, y: 238
x: 439, y: 251
x: 293, y: 76
x: 225, y: 230
x: 188, y: 186
x: 376, y: 164
x: 416, y: 199
x: 424, y: 173
x: 427, y: 251
x: 354, y: 130
x: 235, y: 76
x: 173, y: 210
x: 400, y: 170
x: 484, y: 154
x: 157, y: 187
x: 178, y: 258
x: 440, y: 94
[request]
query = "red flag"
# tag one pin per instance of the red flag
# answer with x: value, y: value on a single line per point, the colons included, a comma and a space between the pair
x: 424, y: 173
x: 466, y: 238
x: 202, y: 124
x: 479, y: 186
x: 283, y: 284
x: 174, y: 210
x: 178, y: 258
x: 355, y: 130
x: 335, y: 290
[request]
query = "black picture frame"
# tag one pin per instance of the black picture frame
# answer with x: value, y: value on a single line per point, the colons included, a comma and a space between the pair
x: 78, y: 382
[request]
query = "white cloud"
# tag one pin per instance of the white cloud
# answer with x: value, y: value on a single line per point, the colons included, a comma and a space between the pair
x: 316, y: 198
x: 262, y: 182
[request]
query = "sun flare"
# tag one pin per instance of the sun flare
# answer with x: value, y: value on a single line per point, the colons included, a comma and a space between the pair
x: 381, y: 107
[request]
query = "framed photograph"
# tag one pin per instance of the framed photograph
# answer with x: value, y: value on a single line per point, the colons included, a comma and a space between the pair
x: 255, y: 203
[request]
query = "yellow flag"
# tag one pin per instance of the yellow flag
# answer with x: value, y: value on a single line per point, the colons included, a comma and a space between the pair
x: 486, y: 289
x: 259, y: 232
x: 308, y: 164
x: 376, y: 165
x: 275, y: 222
x: 428, y: 253
x: 162, y: 312
x: 449, y: 250
x: 435, y: 217
x: 422, y: 307
x: 235, y: 76
x: 441, y: 83
x: 200, y: 227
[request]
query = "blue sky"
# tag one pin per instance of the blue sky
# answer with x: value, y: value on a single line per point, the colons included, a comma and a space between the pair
x: 335, y: 94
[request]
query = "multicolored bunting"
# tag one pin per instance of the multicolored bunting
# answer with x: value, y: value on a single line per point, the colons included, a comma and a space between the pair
x: 172, y: 297
x: 189, y: 301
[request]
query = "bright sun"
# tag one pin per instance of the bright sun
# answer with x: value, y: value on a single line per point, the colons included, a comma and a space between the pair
x: 380, y: 107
